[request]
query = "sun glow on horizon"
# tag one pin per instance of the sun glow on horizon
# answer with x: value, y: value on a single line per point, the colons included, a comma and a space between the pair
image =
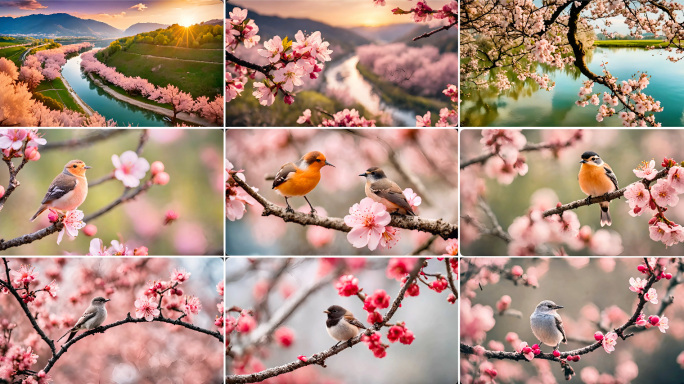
x: 186, y: 21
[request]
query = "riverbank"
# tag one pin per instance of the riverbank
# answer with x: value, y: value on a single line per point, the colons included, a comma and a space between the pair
x: 182, y: 116
x: 631, y: 43
x: 86, y: 108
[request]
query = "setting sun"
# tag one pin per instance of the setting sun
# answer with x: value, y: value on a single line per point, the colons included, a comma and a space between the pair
x: 185, y: 21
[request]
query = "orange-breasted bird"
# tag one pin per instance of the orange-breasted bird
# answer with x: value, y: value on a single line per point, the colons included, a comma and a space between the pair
x: 68, y: 190
x: 596, y: 178
x: 301, y: 178
x: 386, y: 191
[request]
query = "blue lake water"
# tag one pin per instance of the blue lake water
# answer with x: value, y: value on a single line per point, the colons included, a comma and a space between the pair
x: 123, y: 113
x: 533, y: 107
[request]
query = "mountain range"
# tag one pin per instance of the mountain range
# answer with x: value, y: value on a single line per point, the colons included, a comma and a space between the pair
x: 65, y: 25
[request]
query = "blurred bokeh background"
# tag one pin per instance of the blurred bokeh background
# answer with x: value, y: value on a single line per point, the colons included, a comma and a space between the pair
x: 429, y: 156
x: 593, y: 291
x: 552, y: 178
x: 142, y: 353
x: 193, y: 160
x: 429, y: 359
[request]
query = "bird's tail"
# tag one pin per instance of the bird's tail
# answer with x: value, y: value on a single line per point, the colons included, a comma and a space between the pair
x: 605, y: 214
x: 40, y: 210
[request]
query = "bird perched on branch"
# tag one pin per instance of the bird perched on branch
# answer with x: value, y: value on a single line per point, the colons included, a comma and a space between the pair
x: 301, y: 178
x: 547, y: 325
x: 341, y: 324
x: 596, y: 178
x: 68, y: 190
x: 385, y: 191
x: 92, y: 318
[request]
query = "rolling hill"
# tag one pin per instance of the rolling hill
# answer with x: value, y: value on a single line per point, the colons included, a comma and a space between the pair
x: 143, y: 27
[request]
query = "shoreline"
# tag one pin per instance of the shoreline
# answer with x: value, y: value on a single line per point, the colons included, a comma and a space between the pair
x: 88, y: 110
x: 184, y: 116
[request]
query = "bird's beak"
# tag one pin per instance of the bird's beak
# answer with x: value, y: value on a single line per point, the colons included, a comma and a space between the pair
x: 363, y: 174
x: 326, y: 163
x: 558, y: 307
x: 106, y: 300
x: 583, y: 161
x: 326, y: 312
x: 87, y: 167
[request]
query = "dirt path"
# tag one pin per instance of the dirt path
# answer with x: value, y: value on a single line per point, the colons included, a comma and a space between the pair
x: 23, y: 57
x: 162, y: 111
x: 89, y: 111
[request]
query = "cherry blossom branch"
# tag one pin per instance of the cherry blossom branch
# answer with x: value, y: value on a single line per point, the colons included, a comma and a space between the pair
x: 437, y: 227
x: 620, y: 331
x: 8, y: 285
x: 87, y: 140
x: 450, y: 277
x: 263, y: 69
x: 527, y: 148
x: 127, y: 320
x: 428, y: 34
x: 320, y: 358
x: 606, y: 197
x: 13, y: 171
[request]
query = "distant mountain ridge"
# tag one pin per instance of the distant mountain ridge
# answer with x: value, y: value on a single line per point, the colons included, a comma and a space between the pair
x: 143, y: 27
x: 384, y: 33
x: 56, y: 25
x: 270, y: 26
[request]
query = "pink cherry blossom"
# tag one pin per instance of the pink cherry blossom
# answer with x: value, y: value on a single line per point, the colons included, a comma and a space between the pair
x: 412, y: 198
x: 676, y: 178
x: 638, y: 197
x: 664, y: 194
x: 652, y: 296
x: 73, y: 221
x: 25, y: 275
x: 525, y: 350
x: 609, y: 341
x: 192, y: 305
x: 263, y: 93
x: 284, y: 336
x: 476, y: 321
x: 289, y: 76
x: 503, y: 303
x: 245, y: 323
x: 129, y: 168
x: 305, y: 117
x: 399, y: 267
x: 637, y: 285
x: 368, y: 220
x: 12, y: 138
x: 389, y: 238
x: 646, y: 170
x: 274, y: 48
x: 423, y: 121
x: 146, y: 307
x: 179, y: 275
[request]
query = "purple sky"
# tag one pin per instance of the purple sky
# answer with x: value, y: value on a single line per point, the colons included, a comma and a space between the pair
x: 342, y: 13
x: 121, y: 13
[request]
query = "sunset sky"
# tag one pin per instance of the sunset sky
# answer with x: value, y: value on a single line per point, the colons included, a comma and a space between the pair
x: 121, y: 13
x: 342, y: 13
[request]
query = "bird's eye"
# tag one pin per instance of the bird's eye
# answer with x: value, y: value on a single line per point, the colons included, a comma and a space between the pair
x: 318, y: 160
x: 74, y: 166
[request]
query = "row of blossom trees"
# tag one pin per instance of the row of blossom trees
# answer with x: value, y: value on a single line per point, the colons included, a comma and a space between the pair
x: 179, y: 100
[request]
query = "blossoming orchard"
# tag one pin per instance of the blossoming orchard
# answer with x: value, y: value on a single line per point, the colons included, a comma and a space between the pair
x: 276, y: 328
x: 621, y: 326
x: 505, y: 43
x: 551, y: 215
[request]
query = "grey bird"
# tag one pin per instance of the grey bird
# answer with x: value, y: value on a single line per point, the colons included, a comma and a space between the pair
x: 92, y: 318
x: 547, y: 325
x: 341, y: 324
x: 385, y: 191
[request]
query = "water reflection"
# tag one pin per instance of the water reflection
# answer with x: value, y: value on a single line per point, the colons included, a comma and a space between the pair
x: 526, y: 105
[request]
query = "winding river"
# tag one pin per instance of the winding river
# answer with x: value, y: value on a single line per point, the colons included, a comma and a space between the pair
x: 123, y: 113
x: 344, y: 75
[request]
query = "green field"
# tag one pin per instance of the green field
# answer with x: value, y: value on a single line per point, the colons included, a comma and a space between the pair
x: 394, y: 95
x: 199, y: 79
x: 140, y: 98
x: 58, y: 91
x: 13, y: 54
x: 631, y: 43
x: 8, y: 43
x: 215, y: 55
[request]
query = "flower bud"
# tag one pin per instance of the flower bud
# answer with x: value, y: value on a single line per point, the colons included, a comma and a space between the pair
x: 598, y: 336
x: 556, y: 353
x: 53, y: 216
x: 90, y: 230
x: 2, y: 191
x: 157, y: 167
x: 32, y: 153
x: 161, y: 178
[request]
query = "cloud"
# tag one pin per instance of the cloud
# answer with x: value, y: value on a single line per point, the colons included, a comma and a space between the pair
x: 139, y: 7
x: 30, y: 5
x: 114, y: 16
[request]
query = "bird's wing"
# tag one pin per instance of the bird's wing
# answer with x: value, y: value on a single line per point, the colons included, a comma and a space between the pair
x: 87, y: 315
x: 352, y: 320
x: 61, y: 185
x: 285, y: 173
x: 389, y: 190
x: 611, y: 175
x: 559, y: 325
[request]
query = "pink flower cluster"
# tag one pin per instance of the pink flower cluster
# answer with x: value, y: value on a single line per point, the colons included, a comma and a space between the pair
x: 73, y: 221
x: 527, y: 351
x: 168, y: 295
x: 179, y: 100
x: 661, y: 322
x: 665, y: 192
x: 23, y: 279
x: 400, y: 333
x: 374, y: 343
x: 447, y: 118
x: 15, y: 360
x: 236, y: 197
x: 347, y: 285
x: 290, y: 60
x: 116, y: 248
x: 369, y: 221
x: 12, y: 141
x: 52, y: 60
x: 344, y: 118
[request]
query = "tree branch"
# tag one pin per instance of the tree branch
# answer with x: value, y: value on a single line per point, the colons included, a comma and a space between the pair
x: 437, y: 227
x: 606, y: 197
x: 428, y: 34
x: 320, y: 358
x: 87, y: 140
x: 527, y: 148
